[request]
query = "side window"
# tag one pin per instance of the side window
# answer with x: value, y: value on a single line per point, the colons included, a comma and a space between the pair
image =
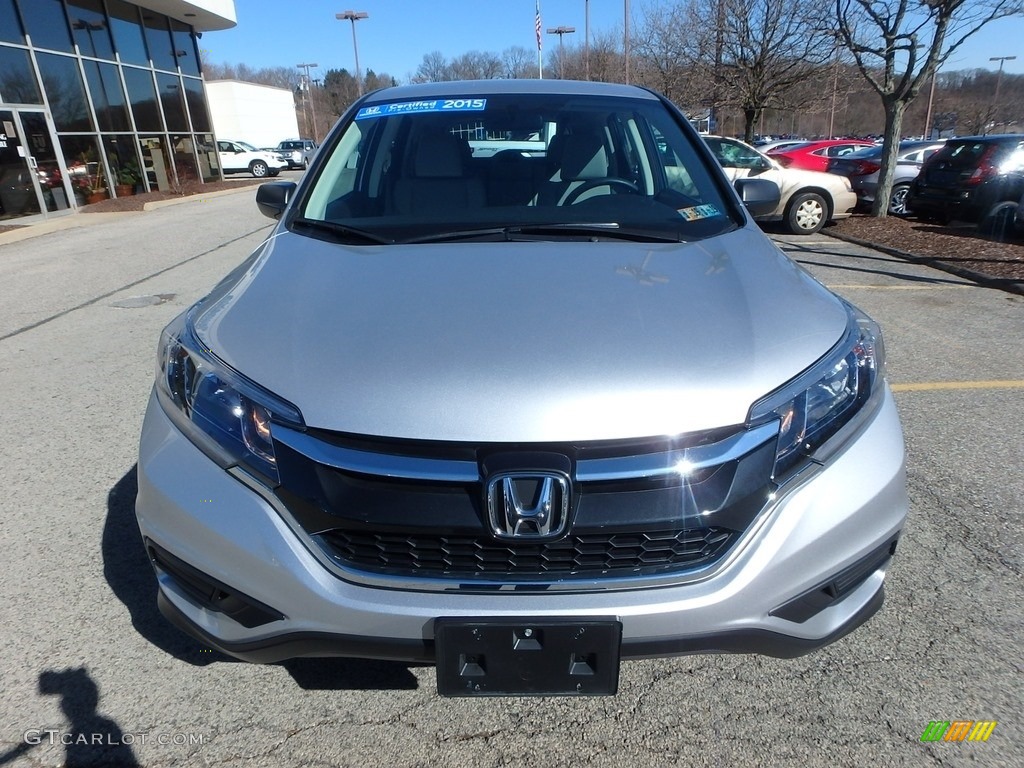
x: 224, y: 146
x: 676, y: 175
x: 741, y: 157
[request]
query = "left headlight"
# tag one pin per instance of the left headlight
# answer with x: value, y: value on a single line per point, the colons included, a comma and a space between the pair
x: 225, y: 414
x: 816, y: 405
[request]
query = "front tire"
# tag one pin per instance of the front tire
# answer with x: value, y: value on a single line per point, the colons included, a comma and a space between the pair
x: 806, y: 214
x: 898, y: 200
x: 259, y: 169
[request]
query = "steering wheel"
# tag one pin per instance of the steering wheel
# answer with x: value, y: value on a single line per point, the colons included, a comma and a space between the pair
x: 608, y: 181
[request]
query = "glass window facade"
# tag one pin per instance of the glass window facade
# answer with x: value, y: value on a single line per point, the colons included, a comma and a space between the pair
x: 90, y: 28
x: 115, y: 90
x: 18, y: 84
x: 46, y: 24
x: 10, y: 24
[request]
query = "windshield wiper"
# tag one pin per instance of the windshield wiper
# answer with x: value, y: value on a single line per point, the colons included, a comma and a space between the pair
x: 610, y: 230
x: 349, y: 233
x: 597, y: 229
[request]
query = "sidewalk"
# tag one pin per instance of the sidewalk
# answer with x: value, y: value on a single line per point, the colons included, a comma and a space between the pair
x: 78, y: 219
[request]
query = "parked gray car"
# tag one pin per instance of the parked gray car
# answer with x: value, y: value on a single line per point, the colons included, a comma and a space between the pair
x: 863, y: 169
x: 520, y: 415
x: 297, y: 152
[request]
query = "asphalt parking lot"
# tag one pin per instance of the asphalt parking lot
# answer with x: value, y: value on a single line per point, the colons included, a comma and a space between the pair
x: 92, y: 675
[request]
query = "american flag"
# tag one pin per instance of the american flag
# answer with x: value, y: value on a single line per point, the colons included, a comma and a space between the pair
x: 536, y: 24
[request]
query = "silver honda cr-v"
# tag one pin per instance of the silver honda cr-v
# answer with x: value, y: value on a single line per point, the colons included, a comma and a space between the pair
x: 516, y: 387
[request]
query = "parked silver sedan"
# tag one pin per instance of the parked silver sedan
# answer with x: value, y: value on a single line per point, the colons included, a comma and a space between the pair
x: 863, y: 169
x: 520, y: 415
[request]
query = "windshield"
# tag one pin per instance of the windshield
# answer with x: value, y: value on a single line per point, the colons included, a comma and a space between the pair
x: 246, y: 147
x: 415, y: 171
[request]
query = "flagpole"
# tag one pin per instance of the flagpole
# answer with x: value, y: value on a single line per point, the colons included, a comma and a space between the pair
x: 540, y: 54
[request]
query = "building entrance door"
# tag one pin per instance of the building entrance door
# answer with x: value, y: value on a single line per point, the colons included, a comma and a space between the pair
x: 31, y: 182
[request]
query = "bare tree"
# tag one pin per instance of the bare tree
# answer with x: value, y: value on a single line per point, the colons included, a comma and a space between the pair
x: 518, y: 63
x: 885, y: 37
x: 661, y: 55
x: 433, y: 69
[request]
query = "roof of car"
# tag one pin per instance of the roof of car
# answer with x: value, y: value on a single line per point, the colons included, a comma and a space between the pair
x: 482, y: 87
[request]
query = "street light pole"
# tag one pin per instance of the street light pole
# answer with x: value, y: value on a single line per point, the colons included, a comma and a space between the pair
x: 931, y: 100
x: 586, y: 41
x: 625, y: 39
x: 999, y: 78
x: 354, y: 16
x: 560, y: 31
x: 312, y: 101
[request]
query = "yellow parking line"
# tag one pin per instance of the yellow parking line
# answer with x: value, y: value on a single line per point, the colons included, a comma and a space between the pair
x: 930, y: 386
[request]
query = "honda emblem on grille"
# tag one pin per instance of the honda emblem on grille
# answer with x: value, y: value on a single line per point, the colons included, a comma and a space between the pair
x: 528, y: 505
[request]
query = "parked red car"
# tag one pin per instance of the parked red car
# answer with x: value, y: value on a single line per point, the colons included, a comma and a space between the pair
x: 814, y: 155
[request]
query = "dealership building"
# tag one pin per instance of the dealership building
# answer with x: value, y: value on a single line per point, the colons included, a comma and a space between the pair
x: 102, y: 98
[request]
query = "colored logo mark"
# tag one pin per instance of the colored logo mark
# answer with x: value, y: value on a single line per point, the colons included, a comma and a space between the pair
x: 958, y: 730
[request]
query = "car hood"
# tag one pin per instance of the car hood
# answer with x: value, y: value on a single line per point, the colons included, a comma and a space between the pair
x: 522, y: 341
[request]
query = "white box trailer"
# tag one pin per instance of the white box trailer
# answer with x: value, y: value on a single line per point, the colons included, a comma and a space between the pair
x: 261, y: 115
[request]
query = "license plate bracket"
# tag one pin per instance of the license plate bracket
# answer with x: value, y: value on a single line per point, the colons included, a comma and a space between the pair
x: 527, y: 657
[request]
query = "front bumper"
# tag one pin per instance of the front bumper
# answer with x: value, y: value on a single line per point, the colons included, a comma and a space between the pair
x: 843, y: 516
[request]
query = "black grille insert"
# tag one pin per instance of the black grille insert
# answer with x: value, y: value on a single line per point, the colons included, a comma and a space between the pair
x: 606, y: 553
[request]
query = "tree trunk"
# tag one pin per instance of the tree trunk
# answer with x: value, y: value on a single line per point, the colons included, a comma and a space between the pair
x: 894, y: 109
x: 750, y: 115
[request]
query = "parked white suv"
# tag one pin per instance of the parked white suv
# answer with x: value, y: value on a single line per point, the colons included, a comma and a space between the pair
x: 239, y: 157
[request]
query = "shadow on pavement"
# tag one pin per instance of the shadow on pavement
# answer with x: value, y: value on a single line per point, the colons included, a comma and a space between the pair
x: 130, y: 575
x: 91, y: 739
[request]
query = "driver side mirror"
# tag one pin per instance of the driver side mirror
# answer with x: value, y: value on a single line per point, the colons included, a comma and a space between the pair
x: 760, y: 196
x: 272, y: 198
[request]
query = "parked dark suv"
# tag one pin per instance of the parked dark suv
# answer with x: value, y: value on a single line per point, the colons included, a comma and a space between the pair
x: 969, y: 177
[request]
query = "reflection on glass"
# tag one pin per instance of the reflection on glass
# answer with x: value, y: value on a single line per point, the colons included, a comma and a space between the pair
x: 90, y: 28
x: 63, y: 85
x: 196, y: 104
x: 209, y: 164
x: 46, y: 24
x: 85, y: 171
x: 40, y: 147
x: 123, y: 160
x: 10, y: 27
x: 17, y: 83
x: 185, y: 49
x: 142, y: 96
x: 184, y: 151
x: 158, y: 38
x: 124, y: 23
x: 107, y: 96
x: 174, y: 105
x: 155, y: 163
x: 17, y: 193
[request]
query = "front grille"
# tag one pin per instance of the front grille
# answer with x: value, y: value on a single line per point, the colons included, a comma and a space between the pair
x: 621, y: 554
x: 420, y: 511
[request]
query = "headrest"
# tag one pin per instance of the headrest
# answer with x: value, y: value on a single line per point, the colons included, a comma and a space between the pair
x: 439, y: 155
x: 583, y: 155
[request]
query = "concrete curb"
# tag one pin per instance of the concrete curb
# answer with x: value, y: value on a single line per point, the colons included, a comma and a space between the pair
x: 83, y: 219
x: 202, y: 197
x: 987, y: 281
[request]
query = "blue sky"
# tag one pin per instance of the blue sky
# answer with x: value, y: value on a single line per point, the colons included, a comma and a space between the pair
x: 398, y: 33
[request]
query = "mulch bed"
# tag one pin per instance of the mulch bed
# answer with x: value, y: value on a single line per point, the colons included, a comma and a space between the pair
x: 957, y: 246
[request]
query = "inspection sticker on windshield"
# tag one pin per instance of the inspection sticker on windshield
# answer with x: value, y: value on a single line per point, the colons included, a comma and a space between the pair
x: 430, y: 105
x: 699, y: 212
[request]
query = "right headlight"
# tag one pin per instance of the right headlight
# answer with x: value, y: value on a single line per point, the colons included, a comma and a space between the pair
x: 222, y: 412
x: 818, y: 403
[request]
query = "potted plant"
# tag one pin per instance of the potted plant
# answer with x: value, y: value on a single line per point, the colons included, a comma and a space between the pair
x: 127, y: 177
